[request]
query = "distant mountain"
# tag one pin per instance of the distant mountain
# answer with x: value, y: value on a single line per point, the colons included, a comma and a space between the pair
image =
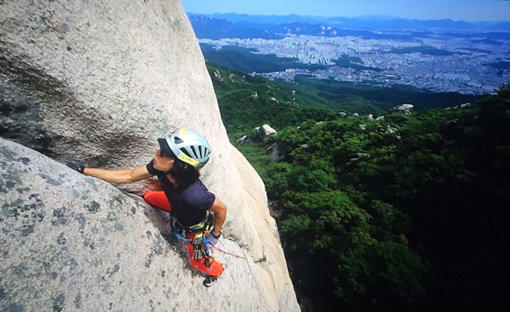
x: 266, y: 26
x: 206, y: 27
x: 260, y: 19
x: 214, y: 28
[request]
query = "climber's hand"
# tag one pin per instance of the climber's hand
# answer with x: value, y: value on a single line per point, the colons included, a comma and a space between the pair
x: 75, y: 166
x: 214, y: 239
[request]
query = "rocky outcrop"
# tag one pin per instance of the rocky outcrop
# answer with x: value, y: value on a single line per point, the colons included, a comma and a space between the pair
x: 99, y: 81
x: 274, y: 152
x: 244, y: 140
x: 404, y: 108
x: 267, y: 130
x: 264, y: 132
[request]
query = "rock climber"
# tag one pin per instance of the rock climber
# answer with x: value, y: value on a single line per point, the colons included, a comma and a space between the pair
x: 193, y: 208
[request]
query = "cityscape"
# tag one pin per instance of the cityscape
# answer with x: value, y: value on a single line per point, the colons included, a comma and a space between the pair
x: 440, y: 64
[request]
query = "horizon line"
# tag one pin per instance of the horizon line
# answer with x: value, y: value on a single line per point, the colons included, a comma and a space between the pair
x: 374, y: 16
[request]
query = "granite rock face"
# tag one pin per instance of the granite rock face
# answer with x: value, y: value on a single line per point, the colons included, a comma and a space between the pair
x: 99, y: 82
x: 70, y: 242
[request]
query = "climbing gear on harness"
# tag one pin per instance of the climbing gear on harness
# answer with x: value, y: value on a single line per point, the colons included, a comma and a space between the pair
x: 199, y: 251
x: 207, y: 263
x: 199, y: 254
x: 197, y: 238
x: 199, y: 241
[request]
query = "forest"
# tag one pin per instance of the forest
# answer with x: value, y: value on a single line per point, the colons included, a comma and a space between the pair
x: 406, y: 213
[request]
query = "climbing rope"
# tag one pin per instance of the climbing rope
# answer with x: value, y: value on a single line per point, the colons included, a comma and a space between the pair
x: 249, y: 266
x: 229, y: 253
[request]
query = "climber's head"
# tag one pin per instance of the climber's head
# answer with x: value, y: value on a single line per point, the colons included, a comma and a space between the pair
x: 189, y: 151
x: 187, y: 146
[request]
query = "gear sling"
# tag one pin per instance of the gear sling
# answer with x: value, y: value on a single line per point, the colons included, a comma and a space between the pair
x: 195, y: 236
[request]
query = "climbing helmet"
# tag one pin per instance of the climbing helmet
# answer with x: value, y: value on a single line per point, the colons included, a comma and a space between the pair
x: 188, y: 146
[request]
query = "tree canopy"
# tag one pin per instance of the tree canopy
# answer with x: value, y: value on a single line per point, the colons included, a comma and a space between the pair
x: 404, y: 213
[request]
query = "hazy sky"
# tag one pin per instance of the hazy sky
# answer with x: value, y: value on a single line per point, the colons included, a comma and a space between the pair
x: 468, y: 10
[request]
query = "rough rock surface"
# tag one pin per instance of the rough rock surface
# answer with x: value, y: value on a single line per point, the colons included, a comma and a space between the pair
x: 404, y: 108
x: 99, y: 81
x: 70, y: 242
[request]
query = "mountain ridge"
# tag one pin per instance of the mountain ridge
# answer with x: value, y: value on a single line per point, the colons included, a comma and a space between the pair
x: 358, y: 23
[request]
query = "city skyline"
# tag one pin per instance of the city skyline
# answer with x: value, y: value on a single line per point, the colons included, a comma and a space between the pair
x: 466, y: 10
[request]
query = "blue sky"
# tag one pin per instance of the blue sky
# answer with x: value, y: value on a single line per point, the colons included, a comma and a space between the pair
x: 467, y: 10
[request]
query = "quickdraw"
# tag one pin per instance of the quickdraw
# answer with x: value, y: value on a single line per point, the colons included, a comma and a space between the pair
x: 200, y: 247
x: 201, y: 237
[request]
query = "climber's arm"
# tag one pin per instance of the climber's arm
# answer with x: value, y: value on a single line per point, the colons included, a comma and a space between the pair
x: 220, y: 214
x: 119, y: 175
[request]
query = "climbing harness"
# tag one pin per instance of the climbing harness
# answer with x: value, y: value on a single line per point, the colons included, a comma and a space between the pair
x: 204, y: 225
x: 197, y: 237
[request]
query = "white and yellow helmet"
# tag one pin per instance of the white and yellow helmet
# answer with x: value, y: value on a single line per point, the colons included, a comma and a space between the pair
x: 188, y: 146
